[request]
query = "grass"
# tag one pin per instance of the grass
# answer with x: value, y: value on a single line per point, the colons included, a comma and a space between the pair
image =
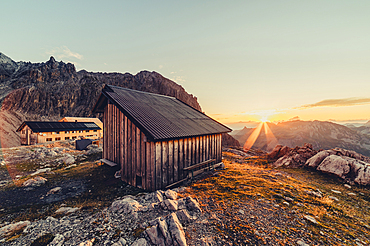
x: 348, y: 219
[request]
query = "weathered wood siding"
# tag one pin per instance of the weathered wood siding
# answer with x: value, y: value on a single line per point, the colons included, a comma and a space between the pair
x: 155, y: 164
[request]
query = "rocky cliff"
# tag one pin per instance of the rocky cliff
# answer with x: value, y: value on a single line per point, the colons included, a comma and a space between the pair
x: 51, y: 90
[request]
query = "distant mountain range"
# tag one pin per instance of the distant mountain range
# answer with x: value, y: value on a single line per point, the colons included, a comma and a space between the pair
x: 321, y: 134
x: 51, y: 90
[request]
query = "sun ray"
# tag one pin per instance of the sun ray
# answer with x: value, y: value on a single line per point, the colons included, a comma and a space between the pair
x: 253, y: 137
x: 270, y: 137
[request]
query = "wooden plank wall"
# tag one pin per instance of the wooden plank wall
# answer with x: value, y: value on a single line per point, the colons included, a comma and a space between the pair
x: 157, y: 163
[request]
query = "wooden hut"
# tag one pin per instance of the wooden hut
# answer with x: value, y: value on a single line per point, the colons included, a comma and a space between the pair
x: 157, y: 140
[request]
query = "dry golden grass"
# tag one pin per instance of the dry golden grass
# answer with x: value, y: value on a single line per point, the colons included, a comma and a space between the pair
x: 347, y: 219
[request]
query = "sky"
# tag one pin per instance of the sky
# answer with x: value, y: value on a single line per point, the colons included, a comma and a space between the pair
x: 245, y: 61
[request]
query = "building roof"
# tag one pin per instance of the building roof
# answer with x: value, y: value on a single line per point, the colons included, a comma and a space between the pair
x: 159, y: 117
x: 81, y: 119
x: 52, y: 126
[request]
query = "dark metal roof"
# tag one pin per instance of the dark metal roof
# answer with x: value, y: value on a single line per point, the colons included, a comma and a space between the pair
x: 51, y: 126
x: 160, y: 117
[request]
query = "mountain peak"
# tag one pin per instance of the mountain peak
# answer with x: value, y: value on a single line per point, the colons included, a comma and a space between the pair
x: 52, y: 59
x: 7, y: 66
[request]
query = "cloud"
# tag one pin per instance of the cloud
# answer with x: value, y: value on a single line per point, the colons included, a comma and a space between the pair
x: 179, y: 79
x: 353, y: 101
x: 64, y: 52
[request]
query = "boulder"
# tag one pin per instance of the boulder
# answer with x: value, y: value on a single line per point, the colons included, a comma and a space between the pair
x: 68, y: 159
x: 347, y: 168
x: 335, y: 165
x: 42, y: 170
x: 57, y: 241
x: 296, y: 157
x: 93, y: 149
x: 37, y: 181
x: 8, y: 230
x: 277, y: 152
x: 126, y: 206
x: 140, y: 242
x: 315, y: 160
x: 166, y: 231
x: 66, y: 210
x: 176, y: 230
x: 170, y: 194
x: 54, y: 190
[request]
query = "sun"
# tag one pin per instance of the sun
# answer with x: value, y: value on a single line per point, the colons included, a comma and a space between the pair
x: 264, y: 115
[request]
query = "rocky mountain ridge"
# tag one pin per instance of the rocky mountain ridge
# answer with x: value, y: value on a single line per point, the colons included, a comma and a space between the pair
x: 54, y: 89
x: 321, y: 134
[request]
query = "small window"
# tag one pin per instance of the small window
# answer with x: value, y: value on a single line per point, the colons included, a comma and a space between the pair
x: 74, y: 137
x: 57, y: 139
x: 56, y: 132
x: 66, y: 138
x: 87, y: 130
x: 95, y: 130
x: 49, y: 139
x: 80, y: 131
x: 23, y: 131
x: 73, y: 131
x: 67, y: 133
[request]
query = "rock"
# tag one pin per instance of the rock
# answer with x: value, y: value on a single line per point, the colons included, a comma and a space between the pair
x: 88, y: 242
x: 42, y: 170
x: 351, y: 194
x: 207, y: 241
x: 192, y: 205
x: 288, y: 199
x: 54, y: 190
x: 57, y: 241
x: 315, y: 160
x: 347, y: 186
x: 176, y: 230
x: 311, y: 219
x: 336, y: 191
x: 126, y: 206
x: 334, y: 198
x: 154, y: 235
x: 286, y: 203
x: 278, y: 151
x: 184, y: 216
x: 314, y: 193
x: 346, y: 168
x: 70, y: 166
x: 140, y: 242
x: 122, y: 241
x: 93, y: 149
x: 296, y: 157
x: 37, y: 181
x: 335, y: 165
x: 67, y: 210
x: 170, y: 205
x: 346, y: 164
x: 170, y: 194
x: 11, y: 228
x: 302, y: 243
x: 68, y: 159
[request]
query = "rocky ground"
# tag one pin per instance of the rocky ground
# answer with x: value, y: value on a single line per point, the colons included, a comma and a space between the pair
x: 59, y: 196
